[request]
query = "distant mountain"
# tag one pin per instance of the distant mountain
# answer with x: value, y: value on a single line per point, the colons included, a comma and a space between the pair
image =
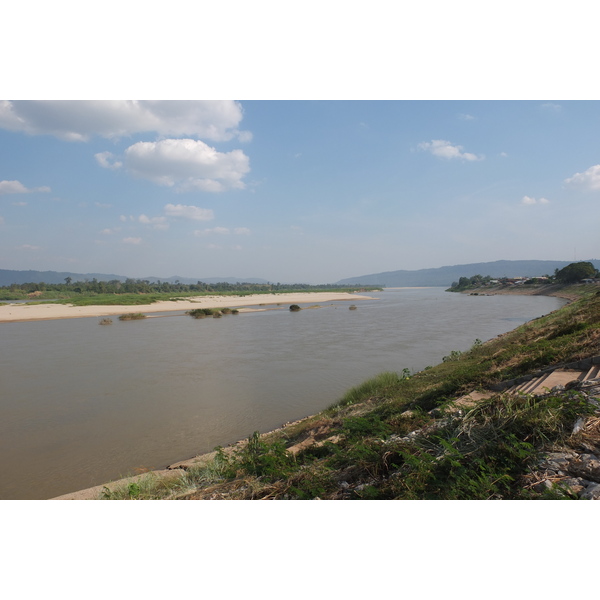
x: 445, y: 276
x: 8, y: 277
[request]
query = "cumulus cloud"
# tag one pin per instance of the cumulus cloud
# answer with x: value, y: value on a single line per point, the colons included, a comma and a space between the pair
x: 589, y: 180
x: 16, y: 187
x: 155, y: 222
x: 465, y: 117
x: 189, y: 212
x: 78, y: 120
x: 445, y: 149
x: 188, y: 164
x: 107, y: 160
x: 132, y: 240
x: 530, y: 200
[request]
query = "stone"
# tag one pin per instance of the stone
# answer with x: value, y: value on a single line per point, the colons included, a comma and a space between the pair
x: 592, y: 492
x: 575, y: 484
x: 578, y: 425
x: 587, y: 466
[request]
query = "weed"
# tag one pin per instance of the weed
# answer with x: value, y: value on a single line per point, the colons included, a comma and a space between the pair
x: 378, y: 385
x: 263, y: 459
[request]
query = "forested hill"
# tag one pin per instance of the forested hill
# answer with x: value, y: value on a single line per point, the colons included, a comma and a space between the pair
x: 444, y: 276
x: 8, y: 277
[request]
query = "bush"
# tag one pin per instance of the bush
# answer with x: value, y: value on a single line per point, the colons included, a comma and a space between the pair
x: 201, y: 313
x: 294, y: 308
x: 132, y: 317
x: 106, y: 322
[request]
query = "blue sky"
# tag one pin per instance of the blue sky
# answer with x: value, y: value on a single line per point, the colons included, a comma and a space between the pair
x: 310, y: 191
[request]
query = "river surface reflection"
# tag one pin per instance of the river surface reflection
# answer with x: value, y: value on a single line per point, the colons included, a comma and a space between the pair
x: 82, y: 404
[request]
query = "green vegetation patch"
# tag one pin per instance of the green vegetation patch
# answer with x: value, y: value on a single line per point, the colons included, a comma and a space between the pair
x: 132, y: 317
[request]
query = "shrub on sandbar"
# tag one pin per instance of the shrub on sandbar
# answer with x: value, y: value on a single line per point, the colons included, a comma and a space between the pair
x: 132, y: 317
x: 294, y: 308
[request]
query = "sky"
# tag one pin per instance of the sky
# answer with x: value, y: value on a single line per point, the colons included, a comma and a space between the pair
x: 295, y: 191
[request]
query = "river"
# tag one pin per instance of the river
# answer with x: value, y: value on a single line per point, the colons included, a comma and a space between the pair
x: 82, y: 404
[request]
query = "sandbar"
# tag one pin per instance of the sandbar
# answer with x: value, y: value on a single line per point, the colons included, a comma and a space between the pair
x: 38, y: 312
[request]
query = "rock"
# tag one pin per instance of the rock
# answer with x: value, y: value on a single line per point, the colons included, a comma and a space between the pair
x: 586, y: 466
x: 557, y: 461
x: 542, y: 486
x: 592, y: 492
x: 575, y: 484
x: 578, y: 425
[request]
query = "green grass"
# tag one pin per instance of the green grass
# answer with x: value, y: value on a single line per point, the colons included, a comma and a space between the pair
x: 132, y: 317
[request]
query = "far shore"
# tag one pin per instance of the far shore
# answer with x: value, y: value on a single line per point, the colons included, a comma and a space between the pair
x: 43, y: 312
x: 570, y: 292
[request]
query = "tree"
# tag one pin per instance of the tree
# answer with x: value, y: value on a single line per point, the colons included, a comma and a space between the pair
x: 576, y: 272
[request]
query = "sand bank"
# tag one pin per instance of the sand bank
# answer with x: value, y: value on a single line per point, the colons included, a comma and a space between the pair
x: 24, y: 312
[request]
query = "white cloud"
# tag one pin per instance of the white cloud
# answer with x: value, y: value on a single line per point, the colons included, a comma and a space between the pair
x: 444, y: 149
x: 241, y: 231
x: 155, y: 222
x: 102, y: 205
x: 216, y: 230
x: 589, y: 180
x: 465, y: 117
x: 78, y: 120
x: 132, y: 240
x: 189, y: 164
x: 107, y: 160
x: 189, y: 212
x: 19, y: 203
x: 530, y: 200
x: 503, y: 154
x: 16, y: 187
x: 110, y: 231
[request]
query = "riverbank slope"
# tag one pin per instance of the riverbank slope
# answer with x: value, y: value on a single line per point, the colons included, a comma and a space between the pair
x: 413, y: 436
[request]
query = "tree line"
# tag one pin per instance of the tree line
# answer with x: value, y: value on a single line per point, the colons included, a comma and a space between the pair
x: 143, y: 286
x: 573, y: 273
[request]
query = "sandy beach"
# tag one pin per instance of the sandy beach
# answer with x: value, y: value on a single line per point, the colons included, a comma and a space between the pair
x: 37, y: 312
